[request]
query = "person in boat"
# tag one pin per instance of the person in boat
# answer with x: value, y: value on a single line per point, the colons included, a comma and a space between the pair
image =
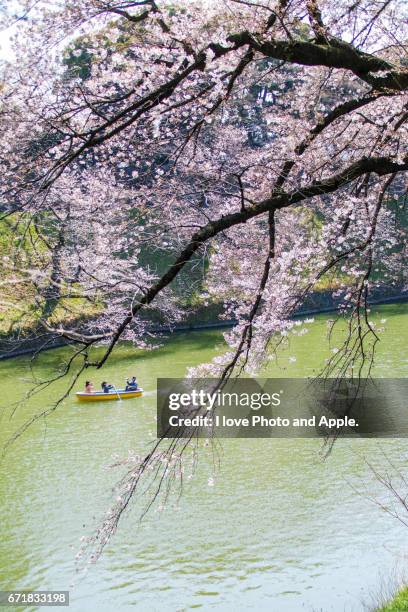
x: 106, y: 387
x: 89, y: 388
x: 131, y: 385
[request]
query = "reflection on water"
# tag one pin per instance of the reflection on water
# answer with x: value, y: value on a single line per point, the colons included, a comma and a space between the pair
x: 280, y: 530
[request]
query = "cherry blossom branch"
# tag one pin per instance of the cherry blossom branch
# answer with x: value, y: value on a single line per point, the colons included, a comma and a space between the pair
x: 338, y: 54
x: 247, y: 332
x: 381, y: 166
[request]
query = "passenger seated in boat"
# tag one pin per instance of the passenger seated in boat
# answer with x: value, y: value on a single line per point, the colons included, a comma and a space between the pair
x: 89, y: 388
x: 131, y: 385
x: 106, y: 388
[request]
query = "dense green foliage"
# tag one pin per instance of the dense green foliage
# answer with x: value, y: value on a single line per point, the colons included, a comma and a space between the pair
x: 398, y: 604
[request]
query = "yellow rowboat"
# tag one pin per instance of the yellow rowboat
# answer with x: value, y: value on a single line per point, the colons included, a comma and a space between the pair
x: 100, y: 396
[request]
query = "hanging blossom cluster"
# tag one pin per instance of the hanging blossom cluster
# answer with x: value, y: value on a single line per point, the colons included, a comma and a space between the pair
x: 258, y: 149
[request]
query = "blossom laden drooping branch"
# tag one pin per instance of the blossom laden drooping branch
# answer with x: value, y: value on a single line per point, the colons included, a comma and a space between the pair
x: 157, y: 155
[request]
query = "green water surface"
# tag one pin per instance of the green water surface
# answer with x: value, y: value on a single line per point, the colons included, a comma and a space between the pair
x: 281, y: 529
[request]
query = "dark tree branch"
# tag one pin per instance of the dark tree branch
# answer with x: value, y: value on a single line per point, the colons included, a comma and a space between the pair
x: 338, y: 54
x: 378, y: 165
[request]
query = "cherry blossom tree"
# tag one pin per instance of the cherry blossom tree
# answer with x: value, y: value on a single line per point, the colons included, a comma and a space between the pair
x: 267, y: 139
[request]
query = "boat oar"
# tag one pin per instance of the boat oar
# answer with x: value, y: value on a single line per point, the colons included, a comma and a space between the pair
x: 117, y: 393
